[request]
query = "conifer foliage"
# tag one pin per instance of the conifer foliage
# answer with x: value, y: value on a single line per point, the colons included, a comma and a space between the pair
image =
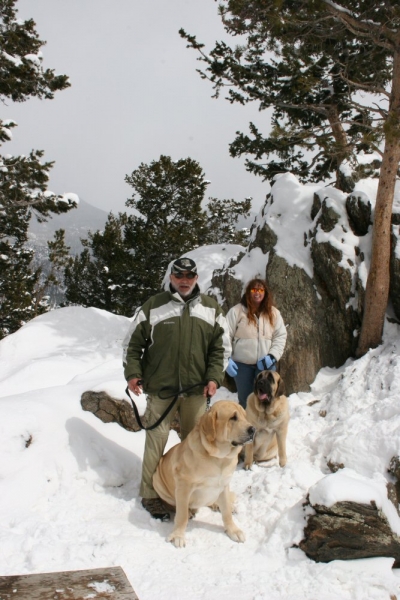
x: 98, y: 276
x: 23, y: 179
x: 298, y: 60
x: 325, y: 55
x: 167, y: 195
x: 125, y: 264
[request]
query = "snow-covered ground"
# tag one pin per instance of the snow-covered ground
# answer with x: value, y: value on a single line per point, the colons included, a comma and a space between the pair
x: 69, y: 483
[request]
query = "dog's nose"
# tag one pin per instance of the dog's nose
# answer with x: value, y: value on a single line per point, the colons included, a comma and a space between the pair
x: 251, y: 431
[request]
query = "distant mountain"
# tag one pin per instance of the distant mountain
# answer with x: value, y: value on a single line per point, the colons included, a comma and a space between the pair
x: 77, y: 222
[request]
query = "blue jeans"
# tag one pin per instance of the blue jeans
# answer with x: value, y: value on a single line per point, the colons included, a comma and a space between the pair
x: 245, y: 380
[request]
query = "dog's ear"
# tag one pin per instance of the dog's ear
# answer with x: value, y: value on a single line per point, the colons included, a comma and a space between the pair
x: 240, y: 410
x: 255, y: 383
x: 281, y: 388
x: 207, y: 425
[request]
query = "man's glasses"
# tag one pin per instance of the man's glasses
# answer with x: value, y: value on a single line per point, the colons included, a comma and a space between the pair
x: 184, y: 276
x: 257, y: 291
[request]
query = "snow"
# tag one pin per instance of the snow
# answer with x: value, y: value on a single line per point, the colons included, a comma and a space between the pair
x: 69, y: 197
x: 35, y: 58
x: 207, y: 259
x: 396, y: 231
x: 69, y: 483
x: 289, y: 217
x: 349, y: 485
x: 253, y: 264
x: 15, y: 60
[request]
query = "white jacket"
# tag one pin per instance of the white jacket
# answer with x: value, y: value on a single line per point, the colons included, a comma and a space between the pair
x: 251, y: 342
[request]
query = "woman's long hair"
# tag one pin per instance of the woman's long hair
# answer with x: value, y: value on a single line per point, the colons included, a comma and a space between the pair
x: 265, y: 308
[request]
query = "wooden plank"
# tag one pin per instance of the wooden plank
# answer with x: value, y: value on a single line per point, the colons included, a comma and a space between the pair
x: 110, y: 583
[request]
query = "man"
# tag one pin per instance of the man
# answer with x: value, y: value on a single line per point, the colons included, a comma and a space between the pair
x: 178, y: 338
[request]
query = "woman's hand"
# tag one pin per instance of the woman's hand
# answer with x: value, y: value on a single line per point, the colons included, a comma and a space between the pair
x: 232, y: 368
x: 266, y: 362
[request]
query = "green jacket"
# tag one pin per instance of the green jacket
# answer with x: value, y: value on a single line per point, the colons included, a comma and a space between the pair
x: 176, y: 344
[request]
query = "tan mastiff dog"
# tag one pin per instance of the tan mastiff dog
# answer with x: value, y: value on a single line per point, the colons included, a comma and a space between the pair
x: 268, y: 410
x: 197, y: 472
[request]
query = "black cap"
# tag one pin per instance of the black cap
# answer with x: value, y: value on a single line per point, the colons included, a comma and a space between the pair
x: 184, y: 264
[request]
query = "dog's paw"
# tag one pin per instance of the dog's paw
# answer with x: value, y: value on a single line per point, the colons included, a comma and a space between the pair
x: 247, y: 466
x: 177, y: 539
x: 236, y: 535
x: 214, y: 507
x: 282, y: 461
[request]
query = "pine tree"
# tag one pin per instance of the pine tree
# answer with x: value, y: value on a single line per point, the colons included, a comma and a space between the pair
x: 125, y: 264
x: 99, y: 276
x: 305, y: 72
x: 168, y: 195
x: 360, y: 43
x: 50, y: 289
x: 81, y: 281
x: 21, y: 72
x: 223, y: 219
x: 23, y: 179
x: 17, y: 281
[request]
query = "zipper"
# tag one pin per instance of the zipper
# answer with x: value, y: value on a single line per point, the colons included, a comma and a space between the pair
x: 258, y: 337
x: 180, y: 347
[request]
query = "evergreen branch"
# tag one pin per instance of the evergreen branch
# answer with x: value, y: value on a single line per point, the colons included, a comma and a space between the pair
x: 367, y: 87
x: 364, y: 29
x: 365, y: 109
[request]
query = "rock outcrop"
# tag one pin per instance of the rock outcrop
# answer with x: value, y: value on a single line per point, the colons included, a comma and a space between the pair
x: 109, y: 409
x: 113, y: 410
x: 311, y: 244
x: 348, y: 530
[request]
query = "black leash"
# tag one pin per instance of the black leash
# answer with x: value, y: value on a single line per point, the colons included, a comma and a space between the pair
x: 175, y: 395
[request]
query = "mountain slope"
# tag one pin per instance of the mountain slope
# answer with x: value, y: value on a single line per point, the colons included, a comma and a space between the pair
x: 76, y: 222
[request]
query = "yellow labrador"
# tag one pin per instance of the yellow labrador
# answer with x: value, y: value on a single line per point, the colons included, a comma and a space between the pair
x: 197, y: 472
x: 268, y: 410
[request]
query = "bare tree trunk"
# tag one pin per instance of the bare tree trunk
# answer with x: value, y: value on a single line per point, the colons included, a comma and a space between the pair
x: 339, y: 133
x: 344, y: 182
x: 377, y: 292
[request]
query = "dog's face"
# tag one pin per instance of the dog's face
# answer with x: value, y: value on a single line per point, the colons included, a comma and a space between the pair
x: 268, y: 386
x: 226, y: 422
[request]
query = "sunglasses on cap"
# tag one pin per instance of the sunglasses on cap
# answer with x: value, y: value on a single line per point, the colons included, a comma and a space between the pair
x: 257, y: 290
x: 189, y: 275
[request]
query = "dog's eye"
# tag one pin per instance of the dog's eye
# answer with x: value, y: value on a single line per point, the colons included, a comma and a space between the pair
x: 234, y: 418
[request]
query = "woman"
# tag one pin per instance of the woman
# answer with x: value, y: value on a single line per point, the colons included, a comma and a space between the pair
x: 258, y: 336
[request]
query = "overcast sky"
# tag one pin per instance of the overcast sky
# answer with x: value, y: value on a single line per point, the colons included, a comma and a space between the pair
x: 134, y: 95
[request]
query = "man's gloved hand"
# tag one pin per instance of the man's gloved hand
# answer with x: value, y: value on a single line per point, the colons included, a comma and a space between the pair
x: 266, y: 362
x: 232, y: 368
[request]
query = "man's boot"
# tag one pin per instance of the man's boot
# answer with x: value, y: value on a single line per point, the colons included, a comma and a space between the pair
x: 157, y: 508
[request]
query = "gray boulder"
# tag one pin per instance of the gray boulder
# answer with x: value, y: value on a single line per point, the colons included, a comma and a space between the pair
x: 347, y: 531
x: 359, y: 210
x: 310, y: 244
